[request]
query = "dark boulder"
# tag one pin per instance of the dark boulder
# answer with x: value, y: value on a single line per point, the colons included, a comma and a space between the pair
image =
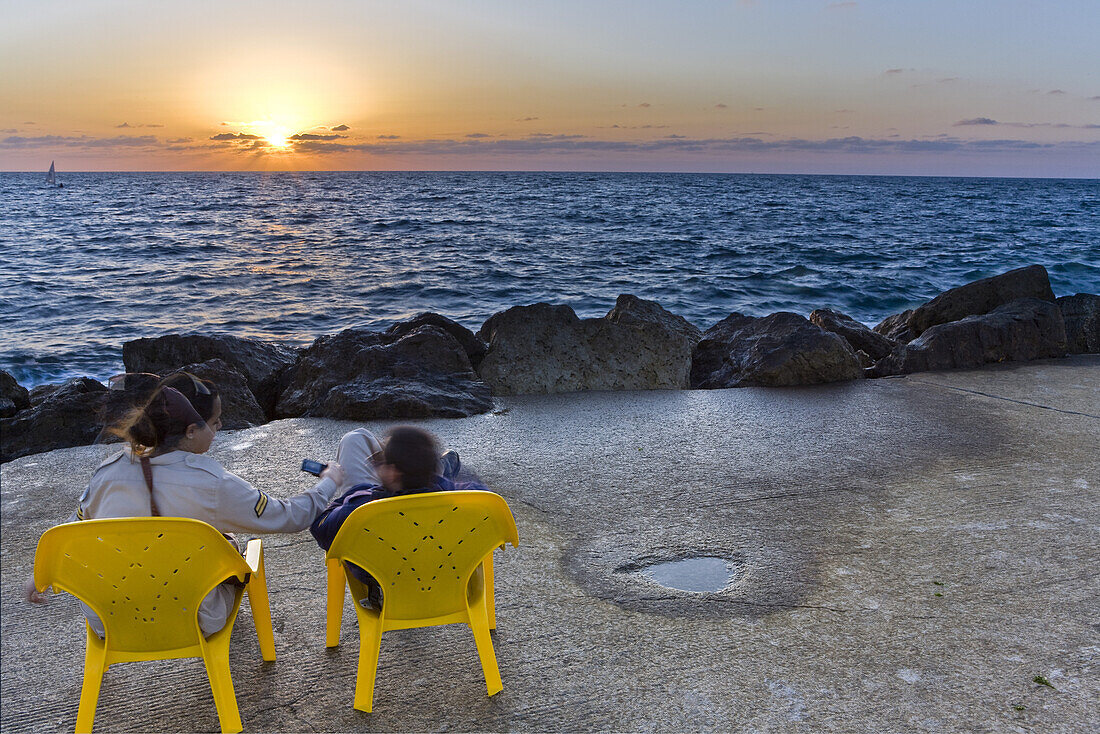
x: 632, y: 311
x: 773, y: 351
x: 982, y: 296
x: 429, y: 365
x: 1024, y: 329
x: 67, y: 416
x: 13, y: 396
x: 239, y: 406
x: 260, y: 362
x: 541, y: 348
x: 475, y: 348
x: 428, y: 396
x: 896, y: 327
x: 1081, y: 314
x: 876, y: 346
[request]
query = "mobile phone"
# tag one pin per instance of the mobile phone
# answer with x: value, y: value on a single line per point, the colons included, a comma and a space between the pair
x: 313, y: 467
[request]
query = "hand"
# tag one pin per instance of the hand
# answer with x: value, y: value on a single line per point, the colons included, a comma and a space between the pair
x: 32, y: 593
x: 335, y: 472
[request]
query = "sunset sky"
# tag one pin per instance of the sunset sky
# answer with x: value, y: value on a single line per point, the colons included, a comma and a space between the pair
x: 986, y: 87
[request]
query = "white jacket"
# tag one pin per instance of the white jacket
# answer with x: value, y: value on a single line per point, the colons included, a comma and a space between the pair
x: 198, y: 487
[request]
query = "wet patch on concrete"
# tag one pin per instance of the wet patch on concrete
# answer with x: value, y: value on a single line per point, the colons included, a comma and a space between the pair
x: 693, y: 574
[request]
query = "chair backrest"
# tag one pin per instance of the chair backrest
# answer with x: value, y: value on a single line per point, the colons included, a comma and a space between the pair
x: 423, y: 548
x: 144, y: 576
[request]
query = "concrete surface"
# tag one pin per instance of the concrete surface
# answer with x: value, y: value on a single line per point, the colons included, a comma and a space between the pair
x: 910, y: 554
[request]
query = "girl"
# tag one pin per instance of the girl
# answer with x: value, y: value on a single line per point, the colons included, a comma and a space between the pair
x: 164, y: 472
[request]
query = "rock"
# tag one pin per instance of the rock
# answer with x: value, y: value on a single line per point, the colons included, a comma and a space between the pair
x: 1027, y: 328
x: 633, y: 311
x: 261, y: 363
x: 546, y: 349
x: 896, y: 327
x: 66, y: 416
x: 475, y: 348
x: 876, y: 346
x: 13, y: 396
x: 1081, y: 314
x: 773, y: 351
x: 427, y: 368
x: 433, y: 395
x: 239, y: 406
x: 982, y: 296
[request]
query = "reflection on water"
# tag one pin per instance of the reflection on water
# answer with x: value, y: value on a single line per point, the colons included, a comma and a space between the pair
x: 702, y: 573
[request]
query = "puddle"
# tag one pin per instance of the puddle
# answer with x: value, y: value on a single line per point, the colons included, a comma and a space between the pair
x: 699, y: 574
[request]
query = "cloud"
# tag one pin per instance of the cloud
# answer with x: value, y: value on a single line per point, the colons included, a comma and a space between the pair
x: 676, y: 137
x: 617, y: 126
x: 893, y: 71
x: 389, y: 137
x: 9, y: 130
x: 526, y: 119
x: 989, y: 121
x: 947, y: 80
x: 234, y: 136
x: 479, y: 135
x: 579, y: 144
x: 179, y: 140
x: 1095, y: 99
x: 148, y: 124
x: 340, y: 128
x: 1057, y: 91
x: 721, y: 106
x: 645, y: 104
x: 83, y: 141
x: 314, y: 136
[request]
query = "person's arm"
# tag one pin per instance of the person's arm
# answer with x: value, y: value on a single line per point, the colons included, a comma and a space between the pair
x: 328, y: 523
x: 243, y: 508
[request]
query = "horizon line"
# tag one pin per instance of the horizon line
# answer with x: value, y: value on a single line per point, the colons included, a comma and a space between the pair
x: 578, y: 171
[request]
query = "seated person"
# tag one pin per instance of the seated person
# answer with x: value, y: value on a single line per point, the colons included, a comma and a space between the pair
x: 164, y: 471
x: 407, y: 461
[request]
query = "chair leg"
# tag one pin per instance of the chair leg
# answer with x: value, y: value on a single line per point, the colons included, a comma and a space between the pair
x: 95, y: 659
x: 479, y: 625
x: 216, y: 658
x: 334, y: 613
x: 258, y: 600
x: 490, y: 593
x: 370, y: 647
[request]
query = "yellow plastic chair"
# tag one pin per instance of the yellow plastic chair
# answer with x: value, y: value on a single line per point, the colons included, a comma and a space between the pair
x: 426, y: 551
x: 145, y: 578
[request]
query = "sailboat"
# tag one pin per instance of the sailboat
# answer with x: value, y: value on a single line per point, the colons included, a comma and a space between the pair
x: 51, y: 178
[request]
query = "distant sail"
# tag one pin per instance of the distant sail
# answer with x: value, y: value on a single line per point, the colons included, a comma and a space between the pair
x: 51, y: 177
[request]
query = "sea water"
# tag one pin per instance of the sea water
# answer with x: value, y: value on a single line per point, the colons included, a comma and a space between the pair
x: 292, y: 256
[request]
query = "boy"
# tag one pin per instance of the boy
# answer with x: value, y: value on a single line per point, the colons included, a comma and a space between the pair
x: 406, y: 462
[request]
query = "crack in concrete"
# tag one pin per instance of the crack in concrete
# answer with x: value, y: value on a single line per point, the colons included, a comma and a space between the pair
x: 1000, y: 397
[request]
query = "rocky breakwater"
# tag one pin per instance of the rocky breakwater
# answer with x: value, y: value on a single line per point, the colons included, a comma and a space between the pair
x: 430, y: 366
x: 542, y: 348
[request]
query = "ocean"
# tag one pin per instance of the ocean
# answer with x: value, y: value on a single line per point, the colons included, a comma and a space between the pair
x: 292, y: 256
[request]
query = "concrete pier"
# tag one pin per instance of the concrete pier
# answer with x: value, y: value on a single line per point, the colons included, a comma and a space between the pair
x: 908, y: 554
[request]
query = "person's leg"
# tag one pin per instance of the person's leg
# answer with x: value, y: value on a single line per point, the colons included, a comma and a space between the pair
x: 449, y: 464
x: 354, y: 452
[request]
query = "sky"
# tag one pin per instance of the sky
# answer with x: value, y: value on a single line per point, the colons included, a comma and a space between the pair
x: 936, y: 87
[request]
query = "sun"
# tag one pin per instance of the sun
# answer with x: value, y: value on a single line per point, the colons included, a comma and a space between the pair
x: 276, y: 135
